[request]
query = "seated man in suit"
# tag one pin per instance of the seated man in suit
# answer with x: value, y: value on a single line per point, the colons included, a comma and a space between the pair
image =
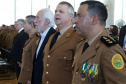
x: 17, y: 46
x: 28, y: 50
x: 44, y: 22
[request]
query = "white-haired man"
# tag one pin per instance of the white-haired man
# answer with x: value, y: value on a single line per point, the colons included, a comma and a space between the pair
x: 44, y: 22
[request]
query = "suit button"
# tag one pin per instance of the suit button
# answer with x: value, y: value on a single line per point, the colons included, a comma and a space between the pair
x: 48, y: 56
x: 47, y: 72
x: 47, y: 82
x: 47, y: 64
x: 76, y: 73
x: 64, y: 57
x: 28, y: 69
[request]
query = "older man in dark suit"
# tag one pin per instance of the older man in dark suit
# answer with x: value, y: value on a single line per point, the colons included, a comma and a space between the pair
x: 18, y: 43
x: 44, y: 22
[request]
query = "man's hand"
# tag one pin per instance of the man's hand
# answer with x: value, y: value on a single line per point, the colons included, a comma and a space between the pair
x: 19, y: 64
x: 29, y: 82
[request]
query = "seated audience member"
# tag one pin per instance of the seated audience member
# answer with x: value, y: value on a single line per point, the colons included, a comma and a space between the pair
x: 113, y: 32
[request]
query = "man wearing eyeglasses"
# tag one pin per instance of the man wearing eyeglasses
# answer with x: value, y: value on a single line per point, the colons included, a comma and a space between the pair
x: 17, y: 46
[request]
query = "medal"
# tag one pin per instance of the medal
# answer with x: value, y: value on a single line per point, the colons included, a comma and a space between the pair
x: 89, y: 79
x: 83, y: 75
x: 94, y: 78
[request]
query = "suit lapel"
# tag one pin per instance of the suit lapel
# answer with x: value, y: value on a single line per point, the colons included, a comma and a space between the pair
x: 50, y: 32
x: 64, y: 38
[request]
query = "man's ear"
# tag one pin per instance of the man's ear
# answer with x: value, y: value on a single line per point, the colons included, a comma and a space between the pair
x: 71, y: 16
x: 95, y: 19
x: 46, y: 21
x: 32, y: 24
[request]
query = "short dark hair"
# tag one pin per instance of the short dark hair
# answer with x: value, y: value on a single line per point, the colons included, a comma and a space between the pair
x: 31, y: 19
x: 114, y: 30
x: 96, y: 7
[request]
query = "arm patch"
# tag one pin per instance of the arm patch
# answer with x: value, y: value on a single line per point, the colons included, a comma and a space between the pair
x: 108, y: 41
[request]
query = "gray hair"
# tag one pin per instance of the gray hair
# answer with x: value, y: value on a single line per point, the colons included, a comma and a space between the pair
x: 21, y: 21
x: 70, y: 7
x: 31, y: 19
x: 49, y: 15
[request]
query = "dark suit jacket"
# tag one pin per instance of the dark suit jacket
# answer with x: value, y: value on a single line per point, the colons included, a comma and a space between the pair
x: 122, y: 35
x: 17, y: 49
x: 17, y: 46
x: 38, y: 63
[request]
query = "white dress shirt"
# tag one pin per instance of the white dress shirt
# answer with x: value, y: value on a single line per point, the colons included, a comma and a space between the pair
x: 43, y: 35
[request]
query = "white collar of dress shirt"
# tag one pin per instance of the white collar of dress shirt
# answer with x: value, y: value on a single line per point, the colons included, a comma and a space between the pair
x: 45, y: 33
x: 20, y: 30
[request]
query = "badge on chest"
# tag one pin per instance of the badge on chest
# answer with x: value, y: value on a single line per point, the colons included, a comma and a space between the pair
x: 89, y: 72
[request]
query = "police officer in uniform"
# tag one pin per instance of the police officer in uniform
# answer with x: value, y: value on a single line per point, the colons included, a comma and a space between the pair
x: 98, y: 58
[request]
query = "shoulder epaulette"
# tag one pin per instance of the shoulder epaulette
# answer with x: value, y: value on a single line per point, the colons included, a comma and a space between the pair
x: 108, y: 41
x: 38, y: 34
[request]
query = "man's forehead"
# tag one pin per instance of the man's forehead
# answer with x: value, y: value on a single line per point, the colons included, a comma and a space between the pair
x: 82, y: 9
x: 61, y: 6
x: 40, y: 13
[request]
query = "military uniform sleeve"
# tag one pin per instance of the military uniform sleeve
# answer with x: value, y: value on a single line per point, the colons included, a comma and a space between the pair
x: 113, y: 65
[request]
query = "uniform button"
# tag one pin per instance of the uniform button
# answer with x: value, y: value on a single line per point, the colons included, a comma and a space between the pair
x: 64, y: 57
x: 48, y: 56
x: 72, y: 65
x: 74, y: 57
x: 28, y: 69
x: 47, y: 72
x: 47, y: 82
x: 47, y: 64
x: 76, y: 73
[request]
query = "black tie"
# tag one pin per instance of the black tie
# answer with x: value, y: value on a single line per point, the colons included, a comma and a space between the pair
x: 54, y: 39
x: 85, y: 47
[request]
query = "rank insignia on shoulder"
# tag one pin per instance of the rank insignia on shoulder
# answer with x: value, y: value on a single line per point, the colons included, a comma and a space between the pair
x: 117, y: 61
x: 38, y: 34
x: 37, y: 42
x: 108, y: 41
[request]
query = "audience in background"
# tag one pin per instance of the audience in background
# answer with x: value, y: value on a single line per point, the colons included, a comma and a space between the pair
x: 122, y: 38
x: 113, y: 32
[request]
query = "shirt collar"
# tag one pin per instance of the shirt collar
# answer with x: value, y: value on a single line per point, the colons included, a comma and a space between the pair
x: 20, y: 30
x: 93, y: 39
x: 45, y: 32
x: 62, y: 31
